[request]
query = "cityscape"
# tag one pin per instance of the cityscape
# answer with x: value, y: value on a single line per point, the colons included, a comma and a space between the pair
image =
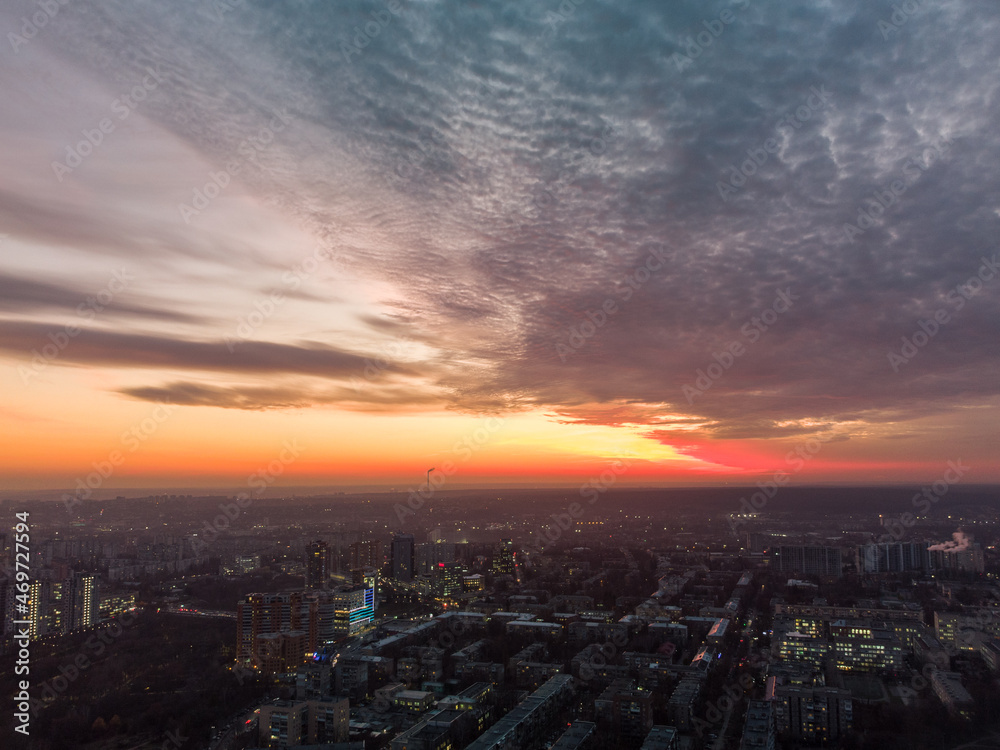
x: 340, y: 621
x: 499, y: 375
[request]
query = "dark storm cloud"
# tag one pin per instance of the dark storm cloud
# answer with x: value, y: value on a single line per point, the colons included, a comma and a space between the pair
x: 528, y: 163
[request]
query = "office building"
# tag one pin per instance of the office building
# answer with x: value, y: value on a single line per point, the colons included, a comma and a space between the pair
x: 354, y: 610
x: 428, y: 556
x: 504, y: 558
x: 317, y: 565
x: 857, y: 645
x: 365, y: 555
x: 402, y: 557
x: 448, y: 580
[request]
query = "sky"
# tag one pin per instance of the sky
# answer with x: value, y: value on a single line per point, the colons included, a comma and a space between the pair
x: 520, y: 242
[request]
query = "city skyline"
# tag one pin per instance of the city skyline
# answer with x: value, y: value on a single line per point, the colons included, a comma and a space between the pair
x: 334, y: 246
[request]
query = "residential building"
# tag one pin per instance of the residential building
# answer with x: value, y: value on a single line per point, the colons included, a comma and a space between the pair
x: 815, y: 715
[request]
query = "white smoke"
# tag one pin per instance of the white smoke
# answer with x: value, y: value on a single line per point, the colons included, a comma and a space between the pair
x: 960, y: 541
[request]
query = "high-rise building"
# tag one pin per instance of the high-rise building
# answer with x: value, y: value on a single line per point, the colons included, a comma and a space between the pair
x: 503, y: 560
x: 366, y: 555
x: 448, y: 580
x: 823, y: 561
x: 968, y: 560
x: 37, y: 608
x: 354, y: 610
x: 262, y: 617
x: 86, y: 601
x: 402, y: 557
x: 427, y: 556
x: 317, y: 565
x: 893, y: 557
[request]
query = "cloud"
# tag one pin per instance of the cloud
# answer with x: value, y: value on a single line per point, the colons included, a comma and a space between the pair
x: 496, y: 181
x: 22, y: 295
x: 141, y: 351
x: 358, y: 397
